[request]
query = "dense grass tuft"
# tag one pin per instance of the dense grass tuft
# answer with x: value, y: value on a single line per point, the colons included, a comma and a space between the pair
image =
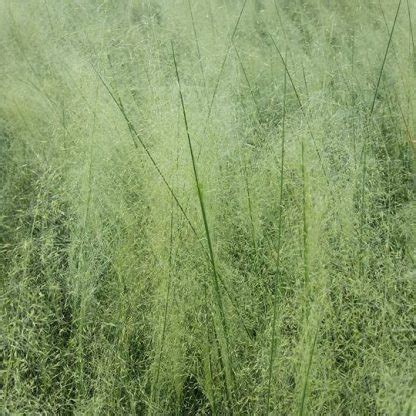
x: 208, y: 207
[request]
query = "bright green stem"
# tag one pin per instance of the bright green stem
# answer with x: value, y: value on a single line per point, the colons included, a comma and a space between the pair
x: 225, y: 353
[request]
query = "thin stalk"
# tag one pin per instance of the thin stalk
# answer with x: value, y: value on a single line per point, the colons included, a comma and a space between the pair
x: 225, y: 353
x: 281, y: 22
x: 411, y: 34
x: 412, y: 143
x: 81, y: 256
x: 364, y: 149
x: 384, y: 60
x: 90, y: 166
x: 207, y: 363
x: 211, y: 104
x: 305, y: 81
x: 394, y: 52
x: 64, y: 125
x: 308, y: 370
x: 305, y: 260
x: 224, y: 61
x: 305, y: 218
x: 302, y: 110
x: 248, y: 82
x: 137, y: 138
x: 410, y: 406
x: 321, y: 162
x: 279, y: 245
x: 198, y: 50
x: 250, y: 208
x: 352, y: 52
x: 166, y: 307
x: 402, y: 77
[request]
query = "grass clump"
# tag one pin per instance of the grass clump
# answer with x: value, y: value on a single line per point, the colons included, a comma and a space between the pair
x: 207, y: 207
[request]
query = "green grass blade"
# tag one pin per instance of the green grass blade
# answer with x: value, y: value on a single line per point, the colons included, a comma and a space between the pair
x: 225, y: 354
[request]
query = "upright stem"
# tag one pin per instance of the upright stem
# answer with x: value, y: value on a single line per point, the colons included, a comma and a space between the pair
x: 225, y: 353
x: 279, y: 244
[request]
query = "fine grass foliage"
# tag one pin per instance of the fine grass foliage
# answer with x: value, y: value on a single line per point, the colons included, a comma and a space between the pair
x: 208, y: 207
